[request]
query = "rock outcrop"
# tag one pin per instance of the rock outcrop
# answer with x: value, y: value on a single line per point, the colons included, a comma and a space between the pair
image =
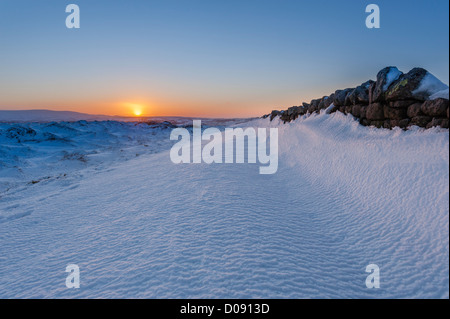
x: 395, y: 99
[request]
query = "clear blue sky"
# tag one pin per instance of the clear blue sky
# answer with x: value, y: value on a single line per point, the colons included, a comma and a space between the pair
x: 208, y: 57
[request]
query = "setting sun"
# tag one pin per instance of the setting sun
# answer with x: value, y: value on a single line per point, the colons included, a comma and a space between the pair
x: 137, y: 109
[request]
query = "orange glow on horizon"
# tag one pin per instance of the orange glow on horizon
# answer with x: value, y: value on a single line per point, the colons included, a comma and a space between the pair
x: 137, y: 109
x: 158, y: 107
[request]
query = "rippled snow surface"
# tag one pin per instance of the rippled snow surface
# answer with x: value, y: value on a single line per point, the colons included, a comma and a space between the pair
x: 345, y: 196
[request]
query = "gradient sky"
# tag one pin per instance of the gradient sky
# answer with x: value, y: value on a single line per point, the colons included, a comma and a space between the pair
x: 207, y: 58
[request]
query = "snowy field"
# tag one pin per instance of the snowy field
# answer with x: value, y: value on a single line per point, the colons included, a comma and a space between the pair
x: 106, y: 196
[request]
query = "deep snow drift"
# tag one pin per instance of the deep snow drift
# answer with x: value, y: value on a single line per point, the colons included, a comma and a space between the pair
x: 345, y: 196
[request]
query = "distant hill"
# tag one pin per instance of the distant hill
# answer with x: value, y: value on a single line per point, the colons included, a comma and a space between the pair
x: 45, y: 116
x: 55, y: 116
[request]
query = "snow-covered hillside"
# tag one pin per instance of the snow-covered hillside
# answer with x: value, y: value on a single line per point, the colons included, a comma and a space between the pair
x: 34, y: 152
x: 345, y: 196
